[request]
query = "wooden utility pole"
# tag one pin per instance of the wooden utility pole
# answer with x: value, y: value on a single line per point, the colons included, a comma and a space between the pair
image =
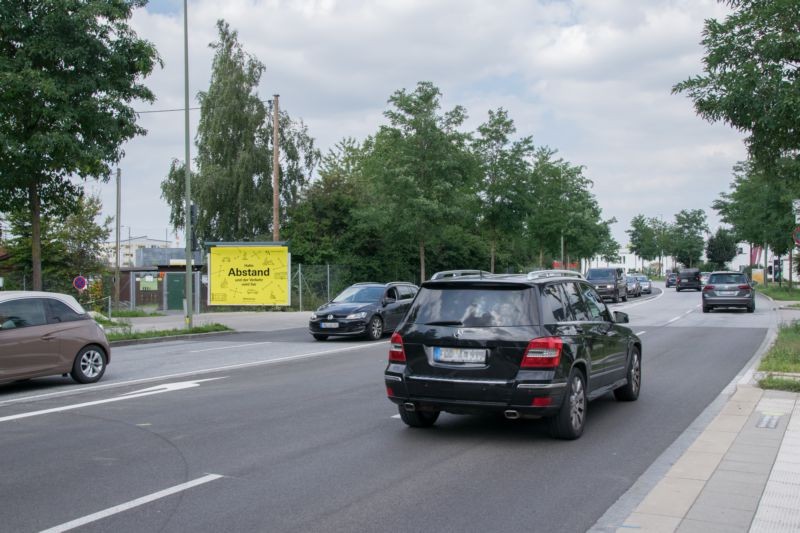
x: 276, y: 206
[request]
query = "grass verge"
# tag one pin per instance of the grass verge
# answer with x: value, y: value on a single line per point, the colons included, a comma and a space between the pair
x: 783, y: 358
x: 133, y: 335
x: 133, y: 313
x: 780, y: 293
x: 789, y: 385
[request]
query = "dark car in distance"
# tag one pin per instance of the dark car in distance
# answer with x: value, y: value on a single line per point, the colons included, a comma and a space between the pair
x: 688, y: 278
x: 521, y: 346
x: 609, y: 283
x: 363, y: 309
x: 672, y: 279
x: 728, y: 289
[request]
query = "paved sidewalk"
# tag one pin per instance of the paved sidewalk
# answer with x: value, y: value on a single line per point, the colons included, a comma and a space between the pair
x: 741, y: 473
x: 239, y: 321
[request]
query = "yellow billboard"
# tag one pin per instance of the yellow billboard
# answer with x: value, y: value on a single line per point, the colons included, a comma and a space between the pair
x: 249, y: 275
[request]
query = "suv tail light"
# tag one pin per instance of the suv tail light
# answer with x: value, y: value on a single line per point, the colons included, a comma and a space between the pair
x: 744, y: 287
x: 397, y: 354
x: 544, y: 352
x: 708, y: 288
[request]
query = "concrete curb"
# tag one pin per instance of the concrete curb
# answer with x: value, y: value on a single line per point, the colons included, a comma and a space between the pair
x: 153, y: 340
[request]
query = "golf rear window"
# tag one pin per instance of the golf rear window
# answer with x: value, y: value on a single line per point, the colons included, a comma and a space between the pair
x: 474, y: 306
x: 730, y: 279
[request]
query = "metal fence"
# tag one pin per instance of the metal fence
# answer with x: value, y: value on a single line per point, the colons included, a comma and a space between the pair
x: 311, y: 286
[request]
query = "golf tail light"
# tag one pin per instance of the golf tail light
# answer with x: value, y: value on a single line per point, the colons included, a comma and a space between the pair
x: 397, y: 354
x: 744, y: 287
x: 544, y: 352
x: 708, y: 288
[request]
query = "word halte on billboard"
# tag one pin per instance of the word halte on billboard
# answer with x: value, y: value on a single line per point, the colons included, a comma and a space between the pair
x: 249, y: 275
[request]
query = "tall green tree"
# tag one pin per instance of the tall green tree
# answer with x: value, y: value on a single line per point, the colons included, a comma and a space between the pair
x: 424, y: 175
x: 751, y: 76
x: 645, y: 237
x: 232, y: 186
x: 69, y: 70
x: 686, y: 236
x: 758, y: 208
x: 721, y: 248
x: 504, y: 166
x: 73, y: 245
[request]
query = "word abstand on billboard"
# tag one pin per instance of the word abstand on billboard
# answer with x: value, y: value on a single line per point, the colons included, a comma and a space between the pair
x: 243, y: 273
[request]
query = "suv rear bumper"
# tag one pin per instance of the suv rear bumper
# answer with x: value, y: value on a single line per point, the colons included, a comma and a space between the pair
x: 520, y: 396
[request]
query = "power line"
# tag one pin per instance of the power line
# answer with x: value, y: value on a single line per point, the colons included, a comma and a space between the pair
x: 181, y: 109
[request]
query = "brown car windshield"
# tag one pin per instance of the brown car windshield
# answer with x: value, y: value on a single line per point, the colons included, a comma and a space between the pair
x: 474, y: 306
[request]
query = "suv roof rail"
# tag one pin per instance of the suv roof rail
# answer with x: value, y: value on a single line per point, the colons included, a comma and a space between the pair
x: 460, y: 273
x: 538, y: 274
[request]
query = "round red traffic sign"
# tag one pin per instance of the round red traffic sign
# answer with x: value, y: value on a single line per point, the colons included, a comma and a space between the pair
x: 79, y: 283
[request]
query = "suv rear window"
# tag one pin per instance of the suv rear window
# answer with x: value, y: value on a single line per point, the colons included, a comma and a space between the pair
x: 731, y: 279
x: 474, y: 306
x: 689, y: 274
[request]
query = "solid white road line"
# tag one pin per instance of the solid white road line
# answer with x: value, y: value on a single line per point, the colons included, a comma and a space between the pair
x: 396, y: 416
x: 93, y: 388
x: 158, y: 389
x: 640, y: 333
x: 229, y: 347
x: 131, y: 504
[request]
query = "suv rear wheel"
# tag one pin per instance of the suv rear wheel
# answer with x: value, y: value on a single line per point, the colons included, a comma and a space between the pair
x: 568, y: 423
x: 418, y: 419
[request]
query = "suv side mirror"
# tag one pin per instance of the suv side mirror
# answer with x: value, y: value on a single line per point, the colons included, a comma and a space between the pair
x: 388, y: 300
x: 620, y: 317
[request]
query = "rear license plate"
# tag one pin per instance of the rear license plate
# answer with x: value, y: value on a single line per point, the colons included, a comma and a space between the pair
x: 459, y: 355
x: 329, y: 325
x: 727, y: 293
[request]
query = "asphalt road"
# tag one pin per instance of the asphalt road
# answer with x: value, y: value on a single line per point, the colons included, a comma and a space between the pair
x: 304, y: 439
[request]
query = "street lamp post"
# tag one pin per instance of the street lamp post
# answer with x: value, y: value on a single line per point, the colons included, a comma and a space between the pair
x: 188, y: 167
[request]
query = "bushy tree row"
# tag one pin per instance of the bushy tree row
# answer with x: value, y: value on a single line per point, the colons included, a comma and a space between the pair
x: 420, y: 194
x: 751, y: 81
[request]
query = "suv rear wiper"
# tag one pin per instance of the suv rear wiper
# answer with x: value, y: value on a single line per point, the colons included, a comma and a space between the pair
x: 445, y: 323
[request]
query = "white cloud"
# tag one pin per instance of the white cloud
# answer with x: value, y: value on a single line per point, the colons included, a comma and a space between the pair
x: 591, y: 79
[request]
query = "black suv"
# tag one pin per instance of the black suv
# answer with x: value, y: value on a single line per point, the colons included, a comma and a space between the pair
x: 688, y: 278
x: 609, y: 283
x: 524, y: 346
x: 363, y: 309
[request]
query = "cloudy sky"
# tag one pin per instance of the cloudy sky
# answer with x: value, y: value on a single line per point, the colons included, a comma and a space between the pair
x: 590, y: 78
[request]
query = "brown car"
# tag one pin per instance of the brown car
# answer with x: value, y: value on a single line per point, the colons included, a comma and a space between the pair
x: 46, y: 333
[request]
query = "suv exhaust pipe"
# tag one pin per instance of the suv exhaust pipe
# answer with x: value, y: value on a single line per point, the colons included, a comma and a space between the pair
x: 511, y: 414
x: 410, y: 407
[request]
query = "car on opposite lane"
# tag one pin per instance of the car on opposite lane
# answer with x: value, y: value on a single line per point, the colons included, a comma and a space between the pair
x: 46, y: 334
x: 633, y: 286
x: 728, y: 289
x: 522, y: 346
x: 646, y: 284
x: 363, y: 309
x: 609, y: 283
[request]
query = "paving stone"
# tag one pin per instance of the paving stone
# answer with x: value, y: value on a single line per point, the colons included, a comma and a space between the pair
x: 698, y: 526
x: 671, y: 497
x: 720, y: 515
x: 745, y: 466
x: 695, y: 465
x: 650, y: 523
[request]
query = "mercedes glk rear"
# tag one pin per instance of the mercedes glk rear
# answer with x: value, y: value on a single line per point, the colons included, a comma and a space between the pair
x: 471, y: 346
